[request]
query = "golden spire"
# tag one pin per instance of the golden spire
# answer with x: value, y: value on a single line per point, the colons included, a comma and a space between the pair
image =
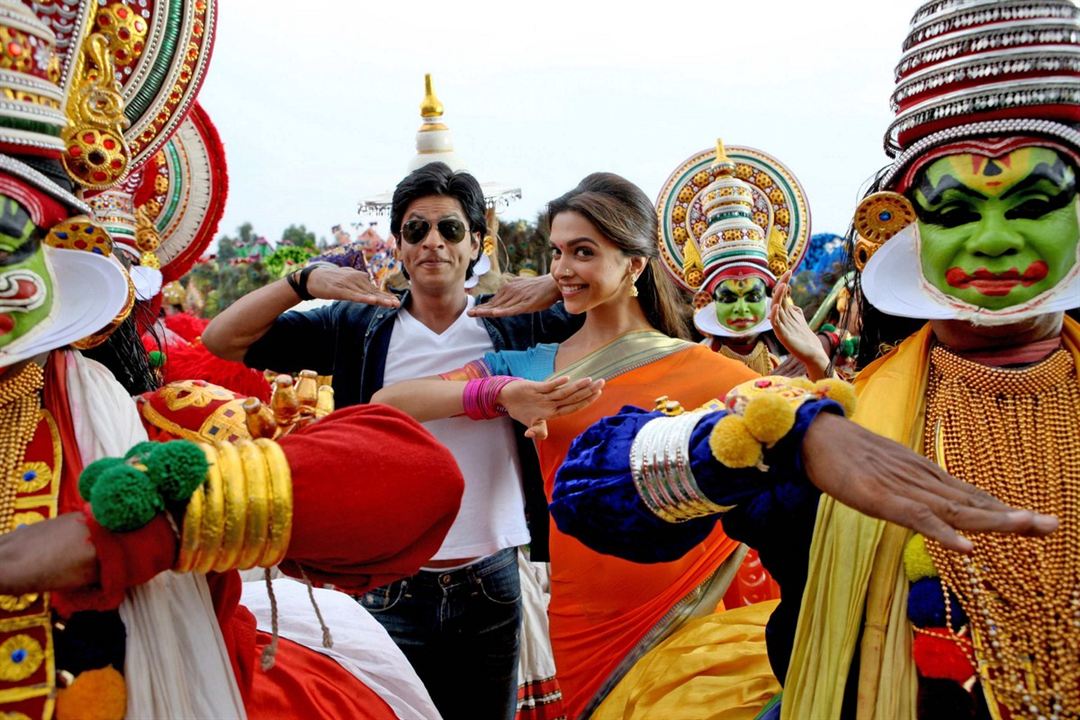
x: 431, y: 107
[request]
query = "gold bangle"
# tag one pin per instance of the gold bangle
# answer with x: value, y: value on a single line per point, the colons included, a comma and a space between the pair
x: 192, y: 524
x: 234, y: 484
x: 281, y: 503
x: 213, y: 522
x: 258, y: 504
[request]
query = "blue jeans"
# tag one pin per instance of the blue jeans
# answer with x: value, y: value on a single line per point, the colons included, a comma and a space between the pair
x: 460, y: 630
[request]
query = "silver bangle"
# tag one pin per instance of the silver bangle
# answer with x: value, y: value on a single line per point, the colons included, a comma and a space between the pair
x: 660, y: 467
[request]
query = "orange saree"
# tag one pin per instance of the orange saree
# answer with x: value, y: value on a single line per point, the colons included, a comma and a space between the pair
x: 606, y: 612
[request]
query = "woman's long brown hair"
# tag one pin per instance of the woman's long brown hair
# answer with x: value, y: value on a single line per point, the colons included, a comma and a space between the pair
x: 625, y: 216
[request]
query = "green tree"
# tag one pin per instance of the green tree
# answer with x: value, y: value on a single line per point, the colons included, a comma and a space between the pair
x: 298, y: 236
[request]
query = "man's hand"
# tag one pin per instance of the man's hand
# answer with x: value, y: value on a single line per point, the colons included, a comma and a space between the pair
x: 520, y: 296
x: 794, y: 333
x: 533, y: 403
x: 883, y: 479
x: 342, y: 283
x: 52, y: 555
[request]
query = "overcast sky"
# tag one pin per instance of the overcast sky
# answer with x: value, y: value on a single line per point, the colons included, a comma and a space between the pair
x: 318, y: 103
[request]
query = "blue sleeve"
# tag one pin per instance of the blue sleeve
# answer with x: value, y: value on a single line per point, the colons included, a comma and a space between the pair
x: 536, y: 363
x: 297, y: 341
x: 595, y: 500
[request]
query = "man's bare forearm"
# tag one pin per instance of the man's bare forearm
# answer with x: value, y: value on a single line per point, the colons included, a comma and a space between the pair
x: 231, y: 333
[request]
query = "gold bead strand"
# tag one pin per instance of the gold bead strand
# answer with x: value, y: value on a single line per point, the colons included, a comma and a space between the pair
x: 20, y: 408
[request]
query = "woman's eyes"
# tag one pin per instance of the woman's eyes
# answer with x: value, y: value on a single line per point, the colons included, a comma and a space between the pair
x: 582, y: 252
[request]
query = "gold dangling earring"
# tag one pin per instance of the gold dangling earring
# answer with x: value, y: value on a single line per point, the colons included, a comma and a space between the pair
x: 633, y: 286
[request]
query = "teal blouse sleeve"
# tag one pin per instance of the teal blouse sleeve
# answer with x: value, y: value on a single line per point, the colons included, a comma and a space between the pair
x: 536, y: 363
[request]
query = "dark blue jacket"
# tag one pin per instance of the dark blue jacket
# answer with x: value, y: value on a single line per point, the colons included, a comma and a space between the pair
x: 350, y: 341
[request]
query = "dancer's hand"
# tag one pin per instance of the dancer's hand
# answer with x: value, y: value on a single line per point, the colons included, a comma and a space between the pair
x: 329, y: 282
x: 884, y: 479
x: 520, y: 296
x: 794, y: 333
x: 533, y: 403
x: 54, y: 554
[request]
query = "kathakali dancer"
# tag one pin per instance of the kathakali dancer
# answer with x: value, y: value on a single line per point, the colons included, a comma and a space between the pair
x: 732, y: 222
x: 92, y: 517
x: 968, y: 251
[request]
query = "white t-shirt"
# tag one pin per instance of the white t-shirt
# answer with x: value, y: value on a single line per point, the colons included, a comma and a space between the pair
x: 492, y: 514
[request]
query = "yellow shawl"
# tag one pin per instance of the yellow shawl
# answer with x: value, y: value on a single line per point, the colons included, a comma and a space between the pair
x: 856, y: 576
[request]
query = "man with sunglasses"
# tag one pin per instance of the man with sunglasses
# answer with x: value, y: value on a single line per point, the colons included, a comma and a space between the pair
x: 457, y: 619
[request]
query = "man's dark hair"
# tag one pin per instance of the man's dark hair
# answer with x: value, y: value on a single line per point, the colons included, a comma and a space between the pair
x: 438, y: 179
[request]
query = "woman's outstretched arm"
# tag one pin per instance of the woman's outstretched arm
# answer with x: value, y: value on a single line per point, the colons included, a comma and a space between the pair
x: 530, y: 403
x: 429, y: 398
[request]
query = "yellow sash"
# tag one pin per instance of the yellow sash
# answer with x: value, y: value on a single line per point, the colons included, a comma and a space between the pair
x: 856, y: 576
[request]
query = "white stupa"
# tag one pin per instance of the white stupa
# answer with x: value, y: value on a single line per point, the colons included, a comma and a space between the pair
x: 434, y: 143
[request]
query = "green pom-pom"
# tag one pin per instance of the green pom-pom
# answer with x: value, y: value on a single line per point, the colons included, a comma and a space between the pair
x: 141, y: 451
x: 917, y: 562
x: 177, y: 468
x: 92, y: 472
x: 157, y: 358
x: 124, y: 499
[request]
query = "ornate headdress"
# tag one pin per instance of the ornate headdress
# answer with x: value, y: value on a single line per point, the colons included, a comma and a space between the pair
x: 976, y: 76
x: 726, y: 213
x: 91, y: 92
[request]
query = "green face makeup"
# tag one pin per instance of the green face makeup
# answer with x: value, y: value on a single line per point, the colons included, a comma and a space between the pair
x: 997, y: 232
x: 740, y: 303
x: 26, y: 291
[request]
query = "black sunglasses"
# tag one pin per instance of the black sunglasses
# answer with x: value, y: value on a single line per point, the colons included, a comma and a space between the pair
x: 414, y: 231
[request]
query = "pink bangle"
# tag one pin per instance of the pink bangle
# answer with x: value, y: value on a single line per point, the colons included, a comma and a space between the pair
x: 480, y: 398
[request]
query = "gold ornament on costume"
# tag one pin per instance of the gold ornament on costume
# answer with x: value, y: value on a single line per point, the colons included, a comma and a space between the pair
x: 760, y: 360
x: 96, y: 154
x: 1022, y: 594
x: 80, y: 233
x: 147, y: 238
x: 878, y: 218
x: 292, y: 406
x: 124, y: 30
x: 489, y: 245
x: 693, y: 270
x: 19, y: 414
x: 173, y: 293
x: 778, y: 257
x: 20, y: 657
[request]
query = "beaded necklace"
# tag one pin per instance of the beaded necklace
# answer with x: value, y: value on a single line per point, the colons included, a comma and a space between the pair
x: 19, y: 409
x: 1014, y: 434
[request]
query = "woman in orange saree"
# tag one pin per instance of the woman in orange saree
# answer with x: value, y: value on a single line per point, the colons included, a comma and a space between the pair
x: 605, y: 613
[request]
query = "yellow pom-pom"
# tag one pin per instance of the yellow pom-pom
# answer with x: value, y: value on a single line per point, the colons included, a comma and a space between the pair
x: 840, y: 391
x: 733, y: 445
x: 917, y: 562
x: 94, y: 695
x: 769, y: 417
x: 803, y: 383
